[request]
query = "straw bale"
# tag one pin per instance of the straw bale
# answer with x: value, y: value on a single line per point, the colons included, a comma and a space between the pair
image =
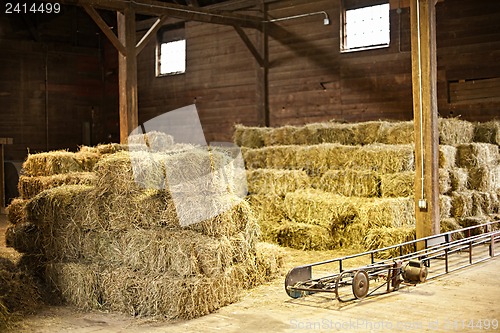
x: 477, y: 155
x: 158, y: 141
x: 251, y: 137
x: 304, y: 236
x: 454, y: 131
x: 331, y: 132
x: 461, y: 204
x: 31, y: 186
x: 444, y: 181
x: 276, y: 181
x: 167, y: 296
x: 447, y: 156
x: 282, y: 157
x: 396, y: 133
x: 471, y: 221
x: 459, y: 179
x: 320, y: 208
x: 284, y: 135
x: 51, y: 163
x: 359, y: 183
x: 488, y: 132
x: 388, y: 212
x: 18, y: 293
x: 383, y: 158
x: 24, y: 238
x: 366, y: 132
x: 484, y: 178
x: 124, y: 173
x: 105, y: 149
x: 380, y: 237
x: 269, y: 211
x: 254, y: 158
x: 16, y: 212
x: 445, y: 205
x: 399, y: 184
x: 58, y: 206
x: 269, y: 260
x: 77, y: 283
x: 482, y: 203
x: 450, y: 224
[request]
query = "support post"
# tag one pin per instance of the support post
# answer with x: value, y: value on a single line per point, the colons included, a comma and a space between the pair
x: 424, y: 86
x: 3, y: 141
x: 127, y: 75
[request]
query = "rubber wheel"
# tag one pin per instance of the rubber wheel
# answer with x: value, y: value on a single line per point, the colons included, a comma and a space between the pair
x: 360, y: 284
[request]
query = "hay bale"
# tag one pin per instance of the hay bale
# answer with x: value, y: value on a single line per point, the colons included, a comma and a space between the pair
x: 30, y: 186
x: 382, y: 158
x: 477, y: 155
x: 269, y: 211
x: 24, y: 238
x: 396, y: 133
x: 304, y: 236
x: 399, y: 184
x: 482, y: 203
x: 285, y: 135
x: 255, y: 158
x: 445, y: 205
x: 51, y: 163
x: 444, y: 181
x: 488, y: 132
x: 251, y: 137
x: 276, y: 181
x: 454, y: 131
x: 78, y: 284
x: 447, y: 156
x: 357, y: 183
x: 318, y: 159
x: 282, y: 157
x: 16, y: 212
x: 484, y: 178
x: 366, y: 132
x: 471, y: 221
x: 461, y: 204
x: 459, y: 179
x: 134, y: 293
x: 388, y: 212
x: 320, y: 208
x: 105, y: 149
x: 380, y: 237
x: 331, y: 132
x: 450, y: 224
x: 269, y: 261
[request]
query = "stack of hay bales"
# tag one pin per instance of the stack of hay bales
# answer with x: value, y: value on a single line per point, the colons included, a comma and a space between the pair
x: 113, y: 240
x: 321, y: 186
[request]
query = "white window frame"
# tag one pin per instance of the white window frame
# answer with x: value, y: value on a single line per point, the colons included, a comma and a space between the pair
x: 364, y: 9
x: 173, y: 36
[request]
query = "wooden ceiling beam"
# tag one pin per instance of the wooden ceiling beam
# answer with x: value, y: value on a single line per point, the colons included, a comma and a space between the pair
x: 158, y: 8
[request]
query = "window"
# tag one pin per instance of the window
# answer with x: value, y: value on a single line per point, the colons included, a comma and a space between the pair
x: 171, y: 52
x: 365, y: 27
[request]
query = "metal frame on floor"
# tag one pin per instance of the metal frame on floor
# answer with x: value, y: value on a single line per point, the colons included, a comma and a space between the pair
x: 406, y: 268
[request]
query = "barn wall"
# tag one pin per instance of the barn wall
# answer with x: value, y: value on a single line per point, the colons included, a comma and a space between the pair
x: 220, y: 78
x: 53, y: 83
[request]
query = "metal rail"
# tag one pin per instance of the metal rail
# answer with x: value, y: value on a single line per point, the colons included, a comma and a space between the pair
x: 299, y: 281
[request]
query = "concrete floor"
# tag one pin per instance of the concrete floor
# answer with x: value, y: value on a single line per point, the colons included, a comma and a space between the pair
x: 464, y: 301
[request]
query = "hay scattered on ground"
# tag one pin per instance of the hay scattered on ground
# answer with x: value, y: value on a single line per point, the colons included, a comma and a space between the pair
x: 356, y: 183
x: 454, y: 131
x: 400, y: 184
x: 488, y: 132
x: 276, y: 181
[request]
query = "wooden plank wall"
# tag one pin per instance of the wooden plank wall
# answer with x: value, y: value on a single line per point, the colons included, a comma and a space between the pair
x: 220, y: 80
x: 53, y: 87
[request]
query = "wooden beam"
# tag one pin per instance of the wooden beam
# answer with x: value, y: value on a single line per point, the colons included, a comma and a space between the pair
x: 3, y: 141
x: 250, y: 46
x: 159, y: 8
x: 105, y: 28
x: 127, y: 74
x: 149, y: 34
x: 424, y: 86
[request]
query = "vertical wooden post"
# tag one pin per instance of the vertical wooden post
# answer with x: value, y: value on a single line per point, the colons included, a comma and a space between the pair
x: 424, y: 83
x: 127, y: 74
x: 263, y: 72
x: 3, y: 141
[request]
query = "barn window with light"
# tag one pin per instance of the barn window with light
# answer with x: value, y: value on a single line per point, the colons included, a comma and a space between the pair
x: 171, y: 51
x: 364, y: 26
